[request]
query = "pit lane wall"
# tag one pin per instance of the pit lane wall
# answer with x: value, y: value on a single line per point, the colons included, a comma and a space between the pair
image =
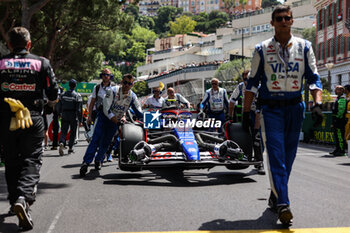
x: 321, y: 134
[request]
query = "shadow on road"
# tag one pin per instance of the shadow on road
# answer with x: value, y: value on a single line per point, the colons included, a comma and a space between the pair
x: 268, y: 220
x: 177, y: 178
x: 7, y: 227
x: 344, y: 164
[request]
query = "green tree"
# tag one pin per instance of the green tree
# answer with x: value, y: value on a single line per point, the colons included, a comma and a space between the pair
x: 144, y: 35
x: 232, y: 71
x: 182, y: 25
x: 164, y: 16
x: 133, y: 10
x: 137, y: 52
x: 216, y: 19
x: 310, y: 35
x: 202, y: 20
x: 146, y: 22
x: 75, y: 39
x: 269, y: 3
x: 141, y: 88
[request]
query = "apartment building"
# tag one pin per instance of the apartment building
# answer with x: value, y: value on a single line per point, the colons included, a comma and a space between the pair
x: 166, y: 60
x: 149, y: 7
x: 333, y: 41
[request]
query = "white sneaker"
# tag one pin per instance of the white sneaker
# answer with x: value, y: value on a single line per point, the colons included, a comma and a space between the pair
x: 60, y: 150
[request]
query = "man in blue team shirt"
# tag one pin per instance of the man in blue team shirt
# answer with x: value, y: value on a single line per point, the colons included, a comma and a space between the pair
x: 279, y: 64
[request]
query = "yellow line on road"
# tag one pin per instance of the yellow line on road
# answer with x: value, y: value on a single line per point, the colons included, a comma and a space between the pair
x: 303, y: 230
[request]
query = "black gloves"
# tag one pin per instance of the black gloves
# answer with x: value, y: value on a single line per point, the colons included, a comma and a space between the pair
x: 246, y: 121
x: 316, y: 114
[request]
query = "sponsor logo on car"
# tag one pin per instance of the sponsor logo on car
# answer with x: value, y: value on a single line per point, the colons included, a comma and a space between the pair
x: 152, y: 120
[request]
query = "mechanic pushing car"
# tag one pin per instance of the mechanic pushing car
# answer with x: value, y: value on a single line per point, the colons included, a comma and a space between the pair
x: 279, y: 64
x: 216, y: 99
x: 116, y: 103
x: 24, y: 79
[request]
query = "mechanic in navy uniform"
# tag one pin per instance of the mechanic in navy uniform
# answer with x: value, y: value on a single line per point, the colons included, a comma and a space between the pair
x: 216, y: 100
x: 116, y: 103
x: 24, y: 79
x: 71, y: 109
x: 175, y: 100
x: 280, y: 64
x: 55, y: 121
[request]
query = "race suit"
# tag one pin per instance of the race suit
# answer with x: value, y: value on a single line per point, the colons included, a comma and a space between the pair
x: 280, y: 73
x: 217, y: 102
x: 339, y: 122
x: 179, y: 100
x: 24, y: 76
x: 71, y: 108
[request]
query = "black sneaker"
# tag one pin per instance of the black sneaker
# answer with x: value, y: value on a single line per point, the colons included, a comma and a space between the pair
x: 54, y: 148
x: 339, y: 153
x: 261, y: 170
x: 272, y: 202
x: 70, y: 150
x: 334, y: 152
x: 21, y: 208
x: 285, y: 215
x: 83, y: 169
x: 98, y: 165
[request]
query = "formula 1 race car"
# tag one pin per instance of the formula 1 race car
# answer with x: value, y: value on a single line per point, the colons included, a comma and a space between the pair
x: 182, y: 141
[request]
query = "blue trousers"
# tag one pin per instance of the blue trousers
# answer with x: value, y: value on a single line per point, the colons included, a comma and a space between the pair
x: 280, y: 129
x: 220, y: 116
x: 101, y: 138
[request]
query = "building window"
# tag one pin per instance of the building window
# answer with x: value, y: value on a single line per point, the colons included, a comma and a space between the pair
x: 331, y: 49
x: 339, y: 79
x: 330, y: 14
x: 249, y: 2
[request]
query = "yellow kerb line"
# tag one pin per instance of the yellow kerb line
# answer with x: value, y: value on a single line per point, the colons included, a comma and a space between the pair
x: 302, y: 230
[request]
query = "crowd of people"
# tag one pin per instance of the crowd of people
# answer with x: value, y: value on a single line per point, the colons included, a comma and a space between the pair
x: 181, y: 67
x: 276, y: 115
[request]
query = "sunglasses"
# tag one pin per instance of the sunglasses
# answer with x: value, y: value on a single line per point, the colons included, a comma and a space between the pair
x: 280, y: 18
x: 156, y: 91
x: 106, y: 75
x: 128, y: 83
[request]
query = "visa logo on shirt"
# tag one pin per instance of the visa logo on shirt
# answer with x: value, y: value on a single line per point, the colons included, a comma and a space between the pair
x: 278, y: 67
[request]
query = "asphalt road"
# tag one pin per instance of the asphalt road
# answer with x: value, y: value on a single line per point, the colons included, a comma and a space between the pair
x: 111, y: 200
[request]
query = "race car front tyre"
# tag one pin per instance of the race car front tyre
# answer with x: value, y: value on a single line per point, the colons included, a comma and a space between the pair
x: 130, y: 135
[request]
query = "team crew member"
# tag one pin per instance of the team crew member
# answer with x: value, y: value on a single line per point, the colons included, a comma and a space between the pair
x: 237, y: 97
x: 175, y: 100
x: 347, y: 115
x: 279, y: 64
x: 71, y: 109
x: 117, y: 101
x: 154, y: 101
x: 339, y: 121
x: 100, y: 129
x: 24, y: 77
x: 216, y: 100
x: 98, y: 93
